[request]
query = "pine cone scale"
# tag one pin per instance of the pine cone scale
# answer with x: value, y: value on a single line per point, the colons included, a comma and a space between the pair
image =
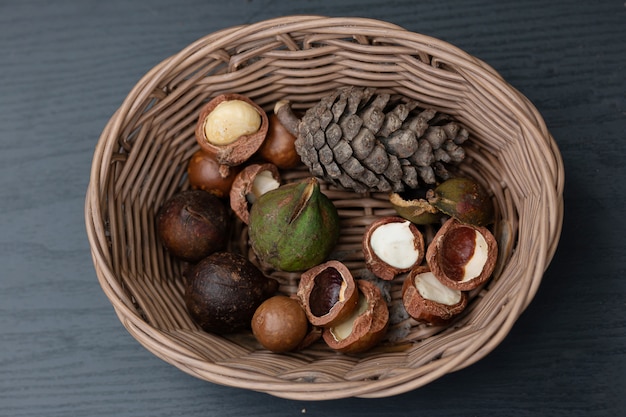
x: 325, y: 155
x: 363, y: 144
x: 378, y: 160
x: 350, y: 126
x: 342, y: 151
x: 333, y: 134
x: 393, y: 173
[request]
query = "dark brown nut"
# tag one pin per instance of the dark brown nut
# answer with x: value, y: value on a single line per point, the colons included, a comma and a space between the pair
x: 426, y: 299
x: 392, y: 245
x: 252, y: 182
x: 365, y: 327
x: 462, y: 256
x: 193, y: 224
x: 328, y: 293
x: 279, y: 324
x: 204, y: 173
x: 232, y: 127
x: 224, y: 290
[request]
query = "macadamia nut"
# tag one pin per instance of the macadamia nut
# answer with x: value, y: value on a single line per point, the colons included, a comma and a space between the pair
x: 230, y: 120
x: 432, y: 289
x: 393, y: 244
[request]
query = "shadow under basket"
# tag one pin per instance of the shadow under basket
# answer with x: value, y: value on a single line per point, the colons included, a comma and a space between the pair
x: 141, y: 157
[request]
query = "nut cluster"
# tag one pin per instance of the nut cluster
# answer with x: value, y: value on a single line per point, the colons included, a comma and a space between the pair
x: 352, y: 313
x: 460, y: 258
x: 242, y: 149
x: 293, y: 228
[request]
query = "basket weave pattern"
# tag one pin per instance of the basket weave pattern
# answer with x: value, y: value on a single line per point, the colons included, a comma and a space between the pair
x: 141, y: 157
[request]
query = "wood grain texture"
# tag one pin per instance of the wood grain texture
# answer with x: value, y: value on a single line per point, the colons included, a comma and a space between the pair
x: 67, y: 65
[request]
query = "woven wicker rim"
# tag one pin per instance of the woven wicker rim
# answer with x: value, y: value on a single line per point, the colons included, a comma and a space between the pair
x: 140, y: 161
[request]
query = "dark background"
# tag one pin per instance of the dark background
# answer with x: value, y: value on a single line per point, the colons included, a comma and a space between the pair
x: 65, y: 66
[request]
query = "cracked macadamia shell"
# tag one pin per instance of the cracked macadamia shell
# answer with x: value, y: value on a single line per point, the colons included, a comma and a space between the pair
x: 417, y: 210
x: 241, y: 149
x: 462, y: 256
x: 252, y: 182
x: 426, y: 299
x: 328, y: 293
x: 366, y: 327
x: 392, y: 245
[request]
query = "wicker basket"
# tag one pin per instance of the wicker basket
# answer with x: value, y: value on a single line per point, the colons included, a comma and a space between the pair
x: 141, y: 157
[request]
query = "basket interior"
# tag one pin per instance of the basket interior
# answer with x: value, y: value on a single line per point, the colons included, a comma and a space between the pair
x: 141, y: 161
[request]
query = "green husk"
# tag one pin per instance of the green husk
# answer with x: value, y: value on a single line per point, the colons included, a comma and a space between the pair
x: 294, y: 227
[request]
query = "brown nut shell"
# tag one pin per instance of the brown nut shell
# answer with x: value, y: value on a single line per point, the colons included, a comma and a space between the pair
x: 204, y: 173
x: 279, y: 324
x: 451, y: 250
x: 244, y: 147
x: 193, y: 224
x: 224, y: 290
x: 368, y: 327
x: 328, y: 293
x: 379, y: 262
x: 279, y: 146
x: 244, y: 185
x: 423, y: 309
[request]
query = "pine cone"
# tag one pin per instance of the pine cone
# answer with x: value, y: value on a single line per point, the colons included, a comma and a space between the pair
x: 368, y: 141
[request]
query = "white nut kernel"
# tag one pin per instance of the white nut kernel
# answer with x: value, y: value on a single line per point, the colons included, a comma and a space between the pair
x: 230, y: 120
x: 263, y: 182
x: 394, y: 244
x: 430, y: 288
x: 344, y: 329
x: 477, y: 262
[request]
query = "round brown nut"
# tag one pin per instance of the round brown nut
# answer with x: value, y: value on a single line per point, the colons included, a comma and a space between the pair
x: 204, y: 173
x: 193, y: 224
x: 224, y: 290
x: 426, y: 299
x: 328, y: 293
x: 365, y: 327
x: 280, y: 324
x: 279, y: 146
x: 392, y: 245
x: 462, y: 256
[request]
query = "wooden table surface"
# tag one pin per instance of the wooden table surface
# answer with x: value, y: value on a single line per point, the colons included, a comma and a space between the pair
x: 65, y: 66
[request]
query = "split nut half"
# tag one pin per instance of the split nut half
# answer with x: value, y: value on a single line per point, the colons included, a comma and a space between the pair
x: 392, y: 245
x: 365, y: 327
x: 328, y: 293
x: 427, y: 300
x: 232, y: 128
x: 251, y: 183
x: 462, y: 256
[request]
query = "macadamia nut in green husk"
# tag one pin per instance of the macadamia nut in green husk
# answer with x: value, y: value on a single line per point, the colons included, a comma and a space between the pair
x: 294, y: 227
